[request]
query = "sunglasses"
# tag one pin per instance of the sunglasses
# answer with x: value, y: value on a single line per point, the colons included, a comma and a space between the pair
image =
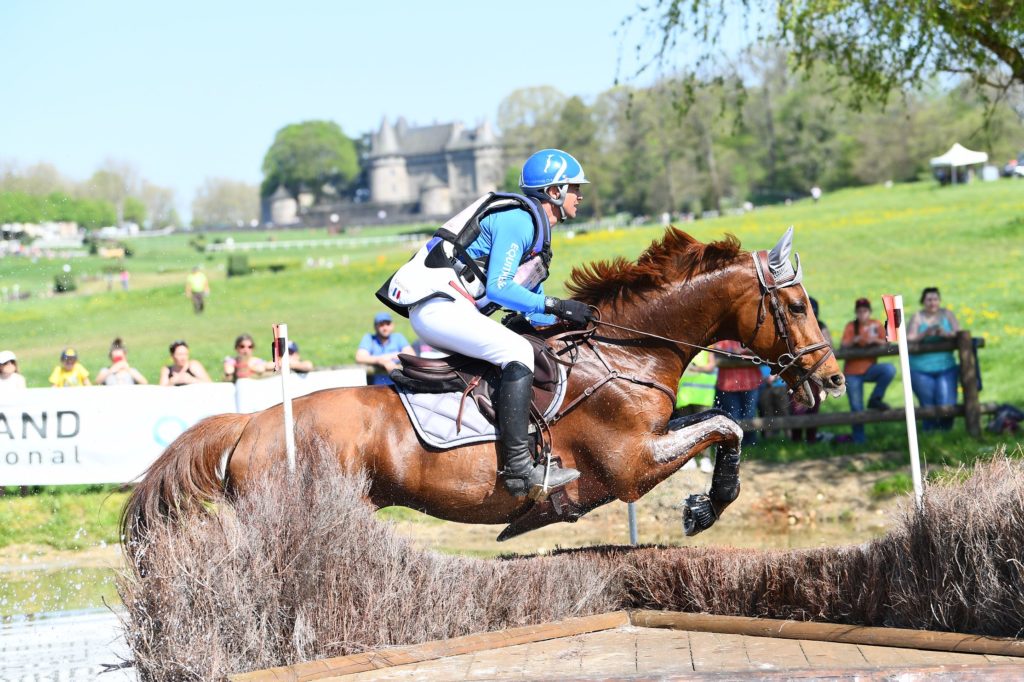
x: 243, y: 345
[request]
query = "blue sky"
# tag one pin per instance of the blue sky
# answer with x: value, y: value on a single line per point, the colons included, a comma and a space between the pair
x: 189, y: 90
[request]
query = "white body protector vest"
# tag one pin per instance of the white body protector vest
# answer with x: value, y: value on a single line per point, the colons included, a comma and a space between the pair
x: 443, y: 268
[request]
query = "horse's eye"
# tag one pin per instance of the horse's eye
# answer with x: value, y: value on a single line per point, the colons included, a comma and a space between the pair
x: 797, y: 308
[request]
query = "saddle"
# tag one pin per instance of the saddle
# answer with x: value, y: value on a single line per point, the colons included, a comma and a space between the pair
x: 478, y: 380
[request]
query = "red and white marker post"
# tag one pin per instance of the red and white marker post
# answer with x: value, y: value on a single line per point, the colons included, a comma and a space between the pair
x: 896, y: 330
x: 283, y: 366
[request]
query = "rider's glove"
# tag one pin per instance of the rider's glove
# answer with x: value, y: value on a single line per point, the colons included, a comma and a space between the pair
x: 569, y: 310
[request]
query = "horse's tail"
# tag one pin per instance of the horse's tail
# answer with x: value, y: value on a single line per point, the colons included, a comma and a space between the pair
x: 187, y: 474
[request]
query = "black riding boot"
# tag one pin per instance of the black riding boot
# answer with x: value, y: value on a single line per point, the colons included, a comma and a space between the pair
x: 514, y: 399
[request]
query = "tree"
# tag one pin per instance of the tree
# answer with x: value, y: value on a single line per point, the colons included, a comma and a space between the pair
x: 225, y: 202
x: 877, y: 46
x: 159, y: 203
x: 527, y: 118
x: 134, y: 211
x: 313, y: 153
x: 114, y: 181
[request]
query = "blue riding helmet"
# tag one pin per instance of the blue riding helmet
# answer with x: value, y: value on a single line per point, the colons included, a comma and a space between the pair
x: 551, y: 167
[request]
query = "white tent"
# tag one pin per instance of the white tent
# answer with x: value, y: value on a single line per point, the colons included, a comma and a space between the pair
x: 959, y: 155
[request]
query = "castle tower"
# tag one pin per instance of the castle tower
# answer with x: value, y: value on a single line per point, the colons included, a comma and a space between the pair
x: 488, y: 162
x: 389, y: 177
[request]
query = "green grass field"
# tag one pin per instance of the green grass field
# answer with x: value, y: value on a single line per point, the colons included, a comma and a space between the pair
x: 967, y: 240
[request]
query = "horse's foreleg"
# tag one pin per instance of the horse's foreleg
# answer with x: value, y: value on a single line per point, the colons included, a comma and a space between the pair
x: 686, y: 437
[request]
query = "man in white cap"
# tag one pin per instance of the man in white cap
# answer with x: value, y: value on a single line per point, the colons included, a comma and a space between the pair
x: 10, y: 379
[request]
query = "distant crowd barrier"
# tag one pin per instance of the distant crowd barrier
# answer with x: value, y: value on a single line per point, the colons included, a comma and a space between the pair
x: 111, y: 434
x: 971, y: 409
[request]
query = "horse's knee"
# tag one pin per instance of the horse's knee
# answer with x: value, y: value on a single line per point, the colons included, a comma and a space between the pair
x: 726, y: 426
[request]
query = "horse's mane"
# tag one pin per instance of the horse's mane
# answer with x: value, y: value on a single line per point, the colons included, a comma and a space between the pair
x: 676, y: 257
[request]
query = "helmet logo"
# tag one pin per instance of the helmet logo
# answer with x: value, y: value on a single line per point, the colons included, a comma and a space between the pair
x: 562, y: 164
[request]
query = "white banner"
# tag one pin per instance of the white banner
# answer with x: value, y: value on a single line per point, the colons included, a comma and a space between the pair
x: 111, y: 434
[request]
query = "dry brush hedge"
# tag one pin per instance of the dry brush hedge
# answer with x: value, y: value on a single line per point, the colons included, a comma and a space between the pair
x: 300, y: 569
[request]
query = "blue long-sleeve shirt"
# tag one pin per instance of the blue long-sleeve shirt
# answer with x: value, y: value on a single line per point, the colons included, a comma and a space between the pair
x: 506, y: 236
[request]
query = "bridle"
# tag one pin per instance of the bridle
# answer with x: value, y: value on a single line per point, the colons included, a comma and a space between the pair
x: 770, y: 292
x: 769, y: 295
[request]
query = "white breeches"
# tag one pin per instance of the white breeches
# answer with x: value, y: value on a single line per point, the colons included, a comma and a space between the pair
x: 457, y: 326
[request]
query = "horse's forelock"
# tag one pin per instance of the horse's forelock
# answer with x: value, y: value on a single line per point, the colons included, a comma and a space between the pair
x: 676, y: 257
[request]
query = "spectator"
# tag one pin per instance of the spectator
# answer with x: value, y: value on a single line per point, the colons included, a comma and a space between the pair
x: 197, y: 287
x: 120, y: 372
x: 379, y: 350
x: 696, y: 393
x: 736, y: 387
x: 244, y: 365
x: 182, y: 370
x: 10, y: 379
x: 295, y: 362
x: 125, y: 278
x: 933, y: 376
x: 796, y: 407
x: 864, y: 332
x: 69, y: 372
x: 772, y: 399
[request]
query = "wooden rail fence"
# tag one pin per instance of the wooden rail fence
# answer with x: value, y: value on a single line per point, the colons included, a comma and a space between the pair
x: 971, y: 409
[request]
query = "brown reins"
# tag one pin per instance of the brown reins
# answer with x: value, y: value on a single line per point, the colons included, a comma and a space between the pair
x: 769, y: 296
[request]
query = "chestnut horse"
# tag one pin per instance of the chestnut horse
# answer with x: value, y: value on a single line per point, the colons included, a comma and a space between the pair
x: 678, y: 296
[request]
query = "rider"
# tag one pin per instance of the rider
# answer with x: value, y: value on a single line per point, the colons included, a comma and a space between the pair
x: 495, y: 254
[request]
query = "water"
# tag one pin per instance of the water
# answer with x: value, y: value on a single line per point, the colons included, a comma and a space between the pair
x: 57, y: 623
x: 69, y: 645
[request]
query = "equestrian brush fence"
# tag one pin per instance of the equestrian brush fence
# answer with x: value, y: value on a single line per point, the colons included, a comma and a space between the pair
x: 299, y: 568
x: 971, y: 409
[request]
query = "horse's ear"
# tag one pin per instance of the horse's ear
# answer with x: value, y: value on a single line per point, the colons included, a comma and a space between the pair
x: 778, y: 259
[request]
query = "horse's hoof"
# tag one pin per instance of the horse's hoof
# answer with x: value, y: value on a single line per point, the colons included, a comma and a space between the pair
x: 698, y: 514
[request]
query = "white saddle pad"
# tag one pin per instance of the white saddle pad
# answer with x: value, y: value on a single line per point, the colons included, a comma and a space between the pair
x: 433, y: 416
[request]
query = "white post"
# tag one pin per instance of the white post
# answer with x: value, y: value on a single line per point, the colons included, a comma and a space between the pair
x: 281, y: 339
x: 634, y: 536
x: 908, y: 398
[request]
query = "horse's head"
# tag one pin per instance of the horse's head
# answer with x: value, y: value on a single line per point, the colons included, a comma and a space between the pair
x: 782, y: 328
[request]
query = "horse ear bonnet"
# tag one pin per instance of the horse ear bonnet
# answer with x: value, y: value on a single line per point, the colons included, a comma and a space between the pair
x: 779, y: 263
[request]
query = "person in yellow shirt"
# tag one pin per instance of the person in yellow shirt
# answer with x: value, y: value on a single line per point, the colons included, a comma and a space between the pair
x: 197, y: 287
x: 70, y: 371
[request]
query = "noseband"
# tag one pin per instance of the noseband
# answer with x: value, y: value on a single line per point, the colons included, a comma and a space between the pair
x: 770, y: 300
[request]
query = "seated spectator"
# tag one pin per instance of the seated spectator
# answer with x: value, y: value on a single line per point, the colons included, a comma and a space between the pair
x: 772, y: 399
x: 120, y: 373
x: 796, y: 407
x: 736, y: 387
x: 933, y: 376
x: 69, y: 372
x: 10, y: 379
x: 295, y: 362
x: 244, y: 365
x: 183, y: 370
x: 864, y: 332
x: 379, y: 350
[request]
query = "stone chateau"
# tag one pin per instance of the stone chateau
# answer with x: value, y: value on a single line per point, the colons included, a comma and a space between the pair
x: 412, y: 173
x: 439, y: 167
